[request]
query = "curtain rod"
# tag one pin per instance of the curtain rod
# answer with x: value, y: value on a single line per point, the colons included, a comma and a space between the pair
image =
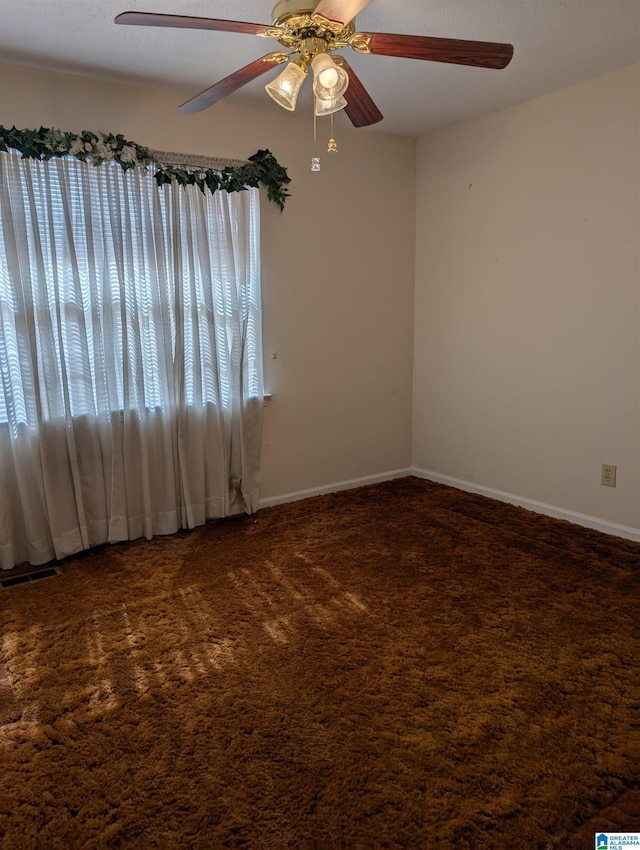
x: 187, y: 160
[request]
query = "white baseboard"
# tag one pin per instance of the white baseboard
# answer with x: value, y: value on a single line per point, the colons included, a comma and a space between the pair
x: 350, y: 484
x: 606, y: 527
x: 576, y: 518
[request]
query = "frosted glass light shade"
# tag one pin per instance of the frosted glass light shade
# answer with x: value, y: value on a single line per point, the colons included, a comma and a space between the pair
x: 326, y: 106
x: 286, y: 86
x: 330, y: 81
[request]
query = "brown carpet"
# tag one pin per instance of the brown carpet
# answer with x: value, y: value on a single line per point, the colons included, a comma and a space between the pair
x: 399, y: 666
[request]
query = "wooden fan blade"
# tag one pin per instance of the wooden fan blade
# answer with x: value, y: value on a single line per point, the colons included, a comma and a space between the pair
x: 230, y: 84
x: 340, y: 10
x: 484, y: 54
x: 360, y: 108
x: 151, y: 19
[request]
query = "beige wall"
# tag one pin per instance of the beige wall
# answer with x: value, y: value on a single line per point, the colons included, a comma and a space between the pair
x: 527, y: 334
x: 527, y: 287
x: 338, y: 267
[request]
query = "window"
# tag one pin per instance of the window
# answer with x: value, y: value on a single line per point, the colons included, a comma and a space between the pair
x: 130, y: 356
x: 107, y: 283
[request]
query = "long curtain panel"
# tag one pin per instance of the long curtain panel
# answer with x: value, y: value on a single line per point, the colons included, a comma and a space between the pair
x: 131, y: 393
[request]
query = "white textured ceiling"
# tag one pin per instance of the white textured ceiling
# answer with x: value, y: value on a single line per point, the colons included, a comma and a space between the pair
x: 557, y: 43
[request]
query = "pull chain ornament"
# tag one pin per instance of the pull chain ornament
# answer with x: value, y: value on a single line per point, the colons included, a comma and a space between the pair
x: 332, y: 147
x: 315, y: 159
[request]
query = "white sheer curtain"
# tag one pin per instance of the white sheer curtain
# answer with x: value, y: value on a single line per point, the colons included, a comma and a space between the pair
x: 131, y: 392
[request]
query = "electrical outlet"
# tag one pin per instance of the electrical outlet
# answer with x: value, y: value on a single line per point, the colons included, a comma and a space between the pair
x: 608, y: 475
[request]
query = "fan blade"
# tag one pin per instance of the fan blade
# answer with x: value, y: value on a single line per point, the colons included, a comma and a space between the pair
x: 342, y: 11
x: 360, y: 108
x: 484, y: 54
x: 151, y: 19
x: 230, y: 84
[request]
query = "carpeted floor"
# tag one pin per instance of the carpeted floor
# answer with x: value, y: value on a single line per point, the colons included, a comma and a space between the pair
x: 399, y: 666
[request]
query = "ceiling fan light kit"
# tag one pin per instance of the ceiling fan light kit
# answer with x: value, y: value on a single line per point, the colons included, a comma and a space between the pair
x: 284, y: 90
x: 330, y: 81
x: 324, y: 106
x: 310, y: 34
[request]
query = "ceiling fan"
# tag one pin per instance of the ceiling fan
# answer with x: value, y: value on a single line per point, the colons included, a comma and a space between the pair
x: 310, y: 34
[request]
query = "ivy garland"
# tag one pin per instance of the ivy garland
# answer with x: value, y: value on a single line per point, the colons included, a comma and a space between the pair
x: 98, y: 148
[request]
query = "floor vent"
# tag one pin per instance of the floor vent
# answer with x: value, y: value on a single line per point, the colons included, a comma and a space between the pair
x: 26, y: 578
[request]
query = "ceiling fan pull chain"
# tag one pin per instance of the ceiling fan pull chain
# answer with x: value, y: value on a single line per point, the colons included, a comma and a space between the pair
x: 333, y: 145
x: 315, y: 159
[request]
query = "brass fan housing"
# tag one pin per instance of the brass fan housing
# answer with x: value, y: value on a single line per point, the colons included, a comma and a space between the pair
x: 285, y: 9
x: 300, y: 30
x: 292, y: 13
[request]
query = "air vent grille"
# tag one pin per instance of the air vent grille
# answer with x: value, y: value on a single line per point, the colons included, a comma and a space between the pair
x: 26, y: 578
